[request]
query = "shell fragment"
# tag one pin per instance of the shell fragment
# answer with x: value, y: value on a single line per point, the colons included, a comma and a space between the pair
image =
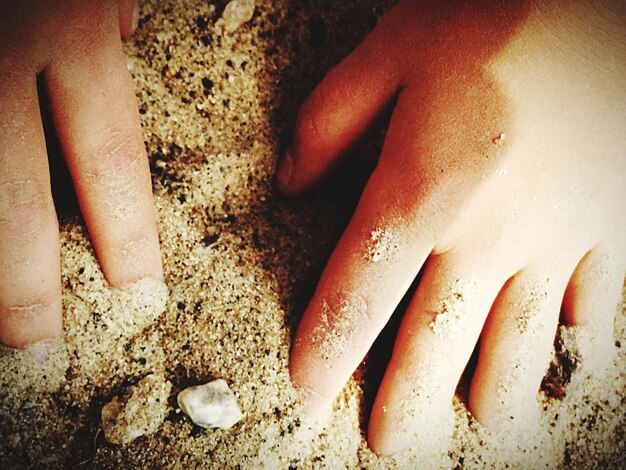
x: 212, y: 405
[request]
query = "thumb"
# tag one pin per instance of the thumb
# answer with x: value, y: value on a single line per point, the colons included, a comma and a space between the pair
x: 338, y: 112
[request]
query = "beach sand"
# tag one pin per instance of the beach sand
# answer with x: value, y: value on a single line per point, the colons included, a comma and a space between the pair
x: 240, y: 264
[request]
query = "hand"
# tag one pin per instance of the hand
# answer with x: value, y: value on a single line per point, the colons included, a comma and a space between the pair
x: 76, y: 47
x: 503, y: 172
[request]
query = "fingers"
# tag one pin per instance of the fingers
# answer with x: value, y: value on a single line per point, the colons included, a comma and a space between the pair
x: 96, y: 118
x: 590, y: 302
x: 374, y: 263
x: 434, y: 343
x: 128, y: 12
x: 30, y: 275
x: 403, y: 207
x: 369, y: 271
x: 338, y: 112
x: 516, y: 347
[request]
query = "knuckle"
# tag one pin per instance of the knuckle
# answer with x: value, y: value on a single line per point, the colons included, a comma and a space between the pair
x: 116, y: 168
x: 120, y: 154
x: 17, y: 317
x: 17, y: 311
x: 25, y: 207
x: 25, y: 310
x: 313, y: 127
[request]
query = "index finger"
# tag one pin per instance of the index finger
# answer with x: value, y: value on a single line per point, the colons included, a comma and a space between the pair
x: 371, y: 268
x: 96, y: 117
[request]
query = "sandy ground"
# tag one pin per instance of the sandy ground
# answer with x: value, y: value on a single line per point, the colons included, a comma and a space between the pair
x: 240, y: 263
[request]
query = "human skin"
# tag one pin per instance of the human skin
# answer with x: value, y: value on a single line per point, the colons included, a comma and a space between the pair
x: 76, y: 47
x: 502, y: 175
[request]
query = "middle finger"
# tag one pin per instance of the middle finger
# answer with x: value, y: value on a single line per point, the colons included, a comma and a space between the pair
x: 434, y: 343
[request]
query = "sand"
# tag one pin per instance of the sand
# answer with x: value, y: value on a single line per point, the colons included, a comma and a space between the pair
x: 240, y: 264
x: 383, y: 245
x: 448, y: 316
x: 140, y: 411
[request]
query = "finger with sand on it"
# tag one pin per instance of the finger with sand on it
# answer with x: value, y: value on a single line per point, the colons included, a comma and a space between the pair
x: 96, y: 117
x: 371, y: 268
x: 591, y: 300
x: 436, y: 338
x: 30, y: 274
x: 516, y: 346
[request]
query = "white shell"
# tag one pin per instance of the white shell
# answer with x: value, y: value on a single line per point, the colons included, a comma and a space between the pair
x: 212, y: 405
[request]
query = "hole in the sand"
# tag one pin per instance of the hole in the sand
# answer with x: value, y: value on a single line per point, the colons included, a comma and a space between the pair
x: 561, y: 370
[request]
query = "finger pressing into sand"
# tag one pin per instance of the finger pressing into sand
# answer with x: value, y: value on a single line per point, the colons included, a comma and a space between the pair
x: 96, y: 118
x: 372, y: 266
x: 128, y: 12
x: 590, y: 303
x: 30, y: 275
x: 339, y: 111
x: 516, y: 347
x: 439, y: 331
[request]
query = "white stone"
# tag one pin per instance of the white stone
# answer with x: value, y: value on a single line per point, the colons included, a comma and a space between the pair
x: 212, y: 405
x: 236, y: 13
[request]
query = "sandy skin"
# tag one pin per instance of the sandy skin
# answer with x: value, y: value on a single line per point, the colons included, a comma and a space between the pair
x: 503, y: 167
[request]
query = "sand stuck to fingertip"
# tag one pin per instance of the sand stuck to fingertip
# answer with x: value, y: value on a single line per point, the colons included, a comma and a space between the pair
x: 240, y: 265
x: 424, y: 409
x: 339, y: 326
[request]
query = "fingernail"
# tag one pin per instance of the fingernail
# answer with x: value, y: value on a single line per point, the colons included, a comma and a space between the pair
x: 135, y: 17
x: 39, y: 352
x: 285, y: 171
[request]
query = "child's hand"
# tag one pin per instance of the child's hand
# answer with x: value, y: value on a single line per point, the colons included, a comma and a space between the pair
x: 503, y: 170
x: 76, y: 46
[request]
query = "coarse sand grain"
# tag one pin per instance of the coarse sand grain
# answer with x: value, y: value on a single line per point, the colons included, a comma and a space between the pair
x: 447, y: 322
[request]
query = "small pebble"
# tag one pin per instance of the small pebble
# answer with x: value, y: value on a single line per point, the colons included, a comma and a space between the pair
x: 212, y: 405
x: 236, y: 13
x: 138, y: 412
